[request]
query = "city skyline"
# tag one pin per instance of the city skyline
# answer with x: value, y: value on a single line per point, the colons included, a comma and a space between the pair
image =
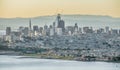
x: 59, y: 28
x: 33, y: 8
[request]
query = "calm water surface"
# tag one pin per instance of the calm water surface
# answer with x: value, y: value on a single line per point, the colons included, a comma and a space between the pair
x: 17, y: 63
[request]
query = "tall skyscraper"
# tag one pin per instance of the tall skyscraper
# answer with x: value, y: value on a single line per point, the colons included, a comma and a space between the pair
x: 46, y: 30
x: 8, y: 30
x: 51, y: 30
x: 30, y: 28
x: 30, y: 24
x: 54, y: 32
x: 58, y: 19
x: 61, y: 23
x: 76, y: 27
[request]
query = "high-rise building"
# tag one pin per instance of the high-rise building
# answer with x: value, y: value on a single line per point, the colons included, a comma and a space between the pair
x: 45, y: 27
x: 8, y: 30
x: 75, y: 29
x: 80, y: 30
x: 35, y: 28
x: 41, y: 29
x: 21, y: 29
x: 70, y: 29
x: 87, y: 30
x: 107, y: 29
x: 53, y: 24
x: 26, y: 31
x: 45, y: 31
x: 51, y: 32
x: 114, y: 31
x: 30, y: 28
x: 58, y: 19
x: 15, y: 36
x: 99, y: 31
x: 30, y: 25
x: 61, y: 23
x: 54, y: 32
x: 50, y: 26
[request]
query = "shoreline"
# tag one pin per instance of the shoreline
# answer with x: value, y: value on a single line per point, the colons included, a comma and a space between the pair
x: 38, y: 56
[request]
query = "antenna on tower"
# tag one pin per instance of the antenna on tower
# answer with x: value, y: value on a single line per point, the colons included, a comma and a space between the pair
x: 58, y: 12
x: 61, y: 11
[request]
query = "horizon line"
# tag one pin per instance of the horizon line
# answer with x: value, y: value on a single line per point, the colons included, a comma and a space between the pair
x: 61, y: 14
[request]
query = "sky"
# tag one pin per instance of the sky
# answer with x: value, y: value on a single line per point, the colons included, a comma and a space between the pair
x: 33, y: 8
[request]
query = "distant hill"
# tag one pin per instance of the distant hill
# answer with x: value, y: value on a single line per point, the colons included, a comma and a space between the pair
x: 82, y: 20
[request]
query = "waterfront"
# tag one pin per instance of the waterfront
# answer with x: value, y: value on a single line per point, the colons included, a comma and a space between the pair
x: 8, y: 62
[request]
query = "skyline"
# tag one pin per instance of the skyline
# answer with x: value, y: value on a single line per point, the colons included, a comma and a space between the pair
x: 34, y: 8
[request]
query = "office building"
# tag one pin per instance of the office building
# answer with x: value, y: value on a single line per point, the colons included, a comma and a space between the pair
x: 35, y: 28
x: 114, y: 31
x: 61, y: 23
x: 26, y: 31
x: 107, y: 29
x: 8, y: 30
x: 75, y: 29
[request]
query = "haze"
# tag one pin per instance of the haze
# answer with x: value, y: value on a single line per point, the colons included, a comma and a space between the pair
x: 33, y: 8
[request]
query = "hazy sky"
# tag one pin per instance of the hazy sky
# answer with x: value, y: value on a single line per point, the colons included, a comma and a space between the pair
x: 32, y: 8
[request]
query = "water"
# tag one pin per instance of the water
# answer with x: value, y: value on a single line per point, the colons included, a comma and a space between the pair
x: 17, y: 63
